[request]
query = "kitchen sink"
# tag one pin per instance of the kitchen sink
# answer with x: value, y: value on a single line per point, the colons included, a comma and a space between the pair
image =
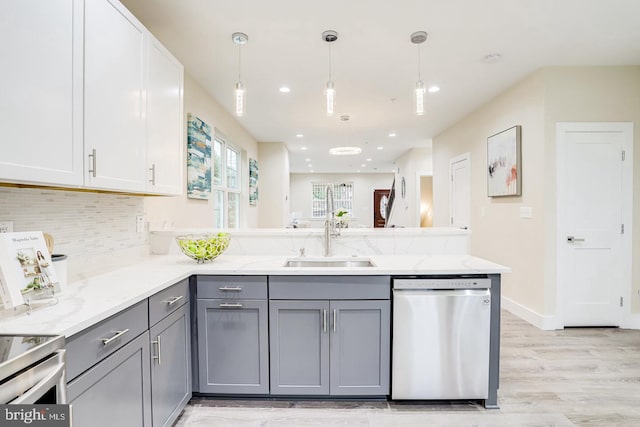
x: 329, y: 262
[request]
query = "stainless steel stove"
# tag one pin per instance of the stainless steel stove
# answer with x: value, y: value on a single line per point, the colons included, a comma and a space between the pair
x: 32, y: 369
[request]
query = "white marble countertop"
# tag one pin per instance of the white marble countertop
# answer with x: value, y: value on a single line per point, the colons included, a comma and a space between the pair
x: 89, y: 301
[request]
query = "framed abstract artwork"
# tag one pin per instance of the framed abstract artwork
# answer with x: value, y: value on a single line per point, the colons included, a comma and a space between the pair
x: 504, y: 169
x: 253, y: 181
x: 198, y: 158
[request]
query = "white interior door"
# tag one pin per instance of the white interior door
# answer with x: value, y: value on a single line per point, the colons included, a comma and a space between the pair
x: 460, y: 191
x: 590, y: 222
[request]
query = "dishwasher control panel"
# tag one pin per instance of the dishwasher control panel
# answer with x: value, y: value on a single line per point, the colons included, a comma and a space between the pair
x: 439, y: 283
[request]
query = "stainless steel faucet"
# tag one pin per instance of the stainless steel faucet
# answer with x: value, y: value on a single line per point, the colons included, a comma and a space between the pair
x: 330, y: 228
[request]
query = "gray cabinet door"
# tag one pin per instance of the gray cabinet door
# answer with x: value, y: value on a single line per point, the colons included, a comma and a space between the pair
x: 360, y: 348
x: 299, y: 337
x: 170, y: 366
x: 233, y: 352
x: 116, y: 391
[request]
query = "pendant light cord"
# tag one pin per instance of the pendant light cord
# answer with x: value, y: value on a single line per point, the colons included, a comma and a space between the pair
x: 239, y: 61
x: 329, y: 61
x: 419, y: 64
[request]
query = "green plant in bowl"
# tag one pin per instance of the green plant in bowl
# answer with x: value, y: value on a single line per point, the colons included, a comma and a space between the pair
x: 203, y: 247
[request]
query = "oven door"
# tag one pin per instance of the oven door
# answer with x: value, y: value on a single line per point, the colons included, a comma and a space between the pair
x: 43, y: 382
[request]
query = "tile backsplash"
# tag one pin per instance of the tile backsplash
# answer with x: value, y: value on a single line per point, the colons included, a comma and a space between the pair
x: 91, y: 228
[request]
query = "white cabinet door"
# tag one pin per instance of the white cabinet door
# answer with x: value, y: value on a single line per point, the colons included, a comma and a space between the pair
x: 41, y: 84
x: 114, y: 104
x: 164, y: 121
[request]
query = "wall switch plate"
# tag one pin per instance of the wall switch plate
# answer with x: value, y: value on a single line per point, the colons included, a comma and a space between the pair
x: 6, y: 226
x: 140, y: 224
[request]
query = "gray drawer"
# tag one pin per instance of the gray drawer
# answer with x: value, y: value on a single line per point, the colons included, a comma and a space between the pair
x: 329, y: 287
x: 166, y: 302
x: 232, y: 287
x: 86, y: 348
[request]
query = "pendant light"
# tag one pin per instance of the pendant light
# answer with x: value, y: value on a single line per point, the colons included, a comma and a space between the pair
x: 239, y: 39
x: 418, y: 38
x: 330, y: 36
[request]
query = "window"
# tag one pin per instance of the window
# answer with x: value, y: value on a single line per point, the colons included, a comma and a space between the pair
x: 226, y: 184
x: 342, y: 198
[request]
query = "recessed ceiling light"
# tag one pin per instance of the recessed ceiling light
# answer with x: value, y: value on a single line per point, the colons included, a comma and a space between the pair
x: 363, y: 165
x: 392, y: 134
x: 492, y: 58
x: 345, y: 151
x: 434, y: 89
x: 380, y: 148
x: 299, y: 135
x: 307, y: 160
x: 285, y: 89
x: 303, y: 148
x: 310, y: 165
x: 358, y: 170
x: 311, y: 171
x: 368, y: 160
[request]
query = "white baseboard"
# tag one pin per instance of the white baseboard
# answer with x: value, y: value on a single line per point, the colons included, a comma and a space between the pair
x: 631, y: 322
x: 544, y: 322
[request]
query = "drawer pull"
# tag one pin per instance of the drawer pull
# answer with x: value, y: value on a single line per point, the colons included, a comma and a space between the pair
x: 230, y: 288
x: 157, y: 343
x: 107, y: 341
x: 174, y: 300
x: 231, y: 305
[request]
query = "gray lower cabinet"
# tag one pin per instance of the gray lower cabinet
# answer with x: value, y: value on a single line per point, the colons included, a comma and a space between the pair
x: 233, y: 350
x: 170, y: 366
x: 337, y: 347
x: 299, y: 343
x: 116, y: 391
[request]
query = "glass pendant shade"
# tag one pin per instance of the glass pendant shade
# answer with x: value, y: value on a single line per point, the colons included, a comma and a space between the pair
x: 330, y: 93
x: 419, y: 95
x: 240, y: 93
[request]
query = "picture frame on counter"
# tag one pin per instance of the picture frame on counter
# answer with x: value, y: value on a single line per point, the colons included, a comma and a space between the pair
x: 504, y: 163
x: 27, y: 273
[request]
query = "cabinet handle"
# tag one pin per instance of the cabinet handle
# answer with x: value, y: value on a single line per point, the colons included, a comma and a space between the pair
x: 174, y: 300
x: 335, y: 320
x: 107, y: 341
x: 230, y: 288
x: 153, y: 174
x: 324, y: 320
x: 158, y: 358
x: 231, y: 305
x: 92, y: 157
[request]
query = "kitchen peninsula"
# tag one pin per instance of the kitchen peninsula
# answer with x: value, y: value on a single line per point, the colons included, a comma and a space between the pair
x: 258, y: 287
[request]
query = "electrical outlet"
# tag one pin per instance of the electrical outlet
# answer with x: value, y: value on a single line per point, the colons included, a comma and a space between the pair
x: 140, y: 224
x: 6, y: 226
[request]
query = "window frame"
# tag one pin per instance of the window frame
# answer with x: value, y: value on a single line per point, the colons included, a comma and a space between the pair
x: 319, y: 204
x: 223, y: 186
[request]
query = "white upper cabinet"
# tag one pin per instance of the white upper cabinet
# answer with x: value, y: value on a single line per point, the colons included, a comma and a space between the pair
x: 41, y: 87
x: 89, y: 99
x: 164, y: 120
x: 114, y: 98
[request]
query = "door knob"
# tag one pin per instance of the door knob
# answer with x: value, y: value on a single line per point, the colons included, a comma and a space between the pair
x: 572, y: 239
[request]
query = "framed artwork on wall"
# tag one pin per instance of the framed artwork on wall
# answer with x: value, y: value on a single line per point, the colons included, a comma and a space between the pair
x: 504, y: 163
x: 198, y: 158
x: 253, y: 181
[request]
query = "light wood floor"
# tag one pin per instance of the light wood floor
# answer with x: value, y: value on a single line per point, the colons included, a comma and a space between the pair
x: 579, y: 376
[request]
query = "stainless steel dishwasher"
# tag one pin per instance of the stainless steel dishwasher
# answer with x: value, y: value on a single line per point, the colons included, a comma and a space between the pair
x: 441, y: 331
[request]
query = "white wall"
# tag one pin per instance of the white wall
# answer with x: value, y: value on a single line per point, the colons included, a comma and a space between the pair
x: 410, y: 165
x: 184, y: 212
x: 363, y: 186
x: 273, y: 185
x: 537, y: 103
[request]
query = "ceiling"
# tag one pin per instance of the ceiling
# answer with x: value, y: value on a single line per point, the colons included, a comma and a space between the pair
x: 374, y: 64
